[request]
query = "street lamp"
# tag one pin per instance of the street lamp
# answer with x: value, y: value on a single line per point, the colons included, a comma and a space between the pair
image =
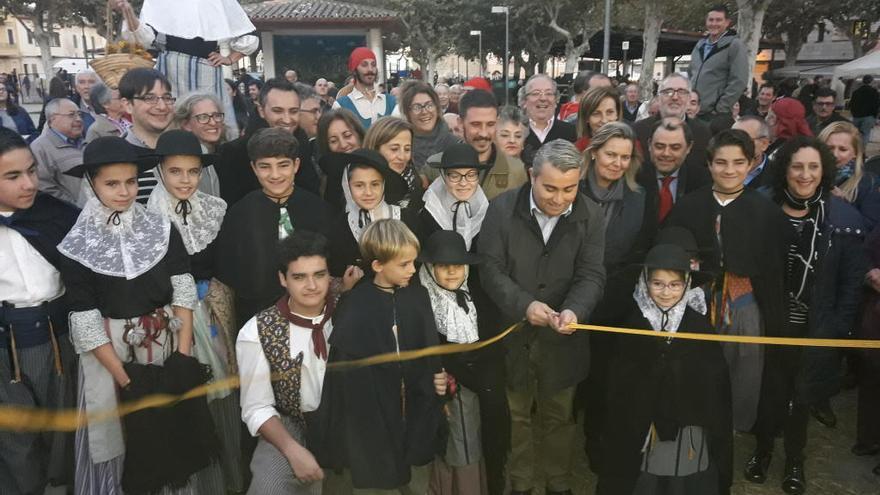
x: 606, y: 49
x: 479, y: 33
x: 506, y: 11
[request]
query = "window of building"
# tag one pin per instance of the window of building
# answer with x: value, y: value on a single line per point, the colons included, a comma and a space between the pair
x: 75, y: 42
x: 10, y: 36
x: 821, y: 37
x: 93, y: 43
x: 30, y: 38
x: 56, y: 40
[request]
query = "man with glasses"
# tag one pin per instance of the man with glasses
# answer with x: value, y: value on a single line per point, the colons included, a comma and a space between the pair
x: 146, y: 94
x: 674, y: 94
x: 538, y: 99
x: 719, y: 66
x: 759, y: 131
x: 60, y: 148
x: 279, y: 105
x: 824, y: 113
x: 310, y: 110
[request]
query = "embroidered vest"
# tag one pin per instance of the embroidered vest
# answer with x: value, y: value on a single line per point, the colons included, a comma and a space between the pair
x: 274, y: 331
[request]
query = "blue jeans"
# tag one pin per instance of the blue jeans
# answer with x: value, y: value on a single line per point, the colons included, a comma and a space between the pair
x: 865, y: 124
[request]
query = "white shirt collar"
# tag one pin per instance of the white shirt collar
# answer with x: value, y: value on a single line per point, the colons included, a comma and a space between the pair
x: 537, y: 211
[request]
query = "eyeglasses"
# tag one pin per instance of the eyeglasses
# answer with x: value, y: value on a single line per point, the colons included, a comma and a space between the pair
x: 823, y: 103
x: 77, y: 115
x: 313, y: 111
x: 674, y: 286
x: 683, y: 92
x: 427, y: 107
x: 153, y: 100
x: 456, y: 177
x: 203, y: 118
x: 540, y: 93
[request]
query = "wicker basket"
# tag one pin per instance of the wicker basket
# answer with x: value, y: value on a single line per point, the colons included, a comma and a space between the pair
x: 112, y: 67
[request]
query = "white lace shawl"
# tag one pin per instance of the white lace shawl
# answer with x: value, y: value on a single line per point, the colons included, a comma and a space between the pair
x: 352, y: 210
x: 203, y: 221
x: 440, y: 202
x: 693, y: 298
x: 458, y: 326
x: 128, y: 247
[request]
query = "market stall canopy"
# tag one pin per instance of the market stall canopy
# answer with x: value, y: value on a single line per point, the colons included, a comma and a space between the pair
x: 867, y: 65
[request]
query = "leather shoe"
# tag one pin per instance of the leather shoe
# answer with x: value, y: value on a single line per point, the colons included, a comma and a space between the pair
x: 824, y: 414
x: 794, y: 482
x: 756, y: 467
x: 863, y: 449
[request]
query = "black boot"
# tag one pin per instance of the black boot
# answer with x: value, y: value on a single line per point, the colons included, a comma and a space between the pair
x: 794, y: 482
x: 756, y: 467
x: 824, y: 414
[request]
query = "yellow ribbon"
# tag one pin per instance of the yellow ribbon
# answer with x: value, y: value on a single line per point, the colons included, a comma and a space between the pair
x: 17, y: 418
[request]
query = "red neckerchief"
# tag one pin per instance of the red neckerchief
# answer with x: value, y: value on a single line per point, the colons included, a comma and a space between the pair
x: 320, y: 343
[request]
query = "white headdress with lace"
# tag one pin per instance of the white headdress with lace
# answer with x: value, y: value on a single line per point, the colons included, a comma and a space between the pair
x: 198, y: 219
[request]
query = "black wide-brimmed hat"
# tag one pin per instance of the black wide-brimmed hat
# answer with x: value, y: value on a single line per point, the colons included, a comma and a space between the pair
x: 180, y: 142
x: 668, y: 257
x: 446, y: 247
x: 459, y: 155
x: 110, y: 150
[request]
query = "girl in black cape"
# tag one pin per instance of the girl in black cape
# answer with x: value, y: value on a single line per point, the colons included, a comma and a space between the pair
x: 668, y: 428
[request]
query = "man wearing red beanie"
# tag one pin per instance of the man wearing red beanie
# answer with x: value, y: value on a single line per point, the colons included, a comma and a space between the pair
x: 364, y: 100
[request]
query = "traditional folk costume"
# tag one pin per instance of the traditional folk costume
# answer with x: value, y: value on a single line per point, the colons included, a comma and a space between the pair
x: 185, y: 34
x: 459, y: 469
x: 293, y: 348
x: 247, y: 241
x: 668, y: 427
x: 346, y: 230
x: 381, y: 422
x: 443, y: 211
x: 37, y: 361
x: 748, y: 293
x: 124, y: 271
x: 198, y: 220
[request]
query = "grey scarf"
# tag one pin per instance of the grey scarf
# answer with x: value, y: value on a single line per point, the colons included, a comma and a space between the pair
x: 425, y: 145
x: 609, y: 199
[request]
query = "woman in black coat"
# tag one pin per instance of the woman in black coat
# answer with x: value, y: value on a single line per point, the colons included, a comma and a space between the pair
x: 823, y: 278
x: 610, y: 181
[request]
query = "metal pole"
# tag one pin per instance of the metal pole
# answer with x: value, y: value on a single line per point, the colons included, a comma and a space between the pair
x: 623, y: 73
x: 507, y: 54
x: 606, y: 49
x: 481, y: 54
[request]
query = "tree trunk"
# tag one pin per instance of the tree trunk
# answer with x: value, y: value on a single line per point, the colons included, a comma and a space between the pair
x: 793, y: 45
x: 749, y: 24
x: 43, y: 38
x: 573, y: 56
x: 431, y: 67
x: 650, y: 40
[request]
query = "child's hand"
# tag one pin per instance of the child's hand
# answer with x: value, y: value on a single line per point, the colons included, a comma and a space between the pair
x: 350, y: 277
x: 440, y: 383
x: 304, y: 465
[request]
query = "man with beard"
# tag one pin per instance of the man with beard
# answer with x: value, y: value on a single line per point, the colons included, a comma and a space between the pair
x: 674, y: 94
x: 365, y: 100
x: 279, y: 106
x: 538, y: 99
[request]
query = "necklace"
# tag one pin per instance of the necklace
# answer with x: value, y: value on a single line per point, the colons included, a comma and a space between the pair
x: 716, y: 191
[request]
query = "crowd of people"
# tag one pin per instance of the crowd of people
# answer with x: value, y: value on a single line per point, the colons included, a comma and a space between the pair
x: 318, y: 243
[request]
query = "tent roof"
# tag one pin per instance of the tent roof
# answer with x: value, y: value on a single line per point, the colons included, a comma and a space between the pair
x: 869, y: 64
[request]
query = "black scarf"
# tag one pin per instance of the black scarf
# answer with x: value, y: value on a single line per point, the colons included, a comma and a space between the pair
x: 802, y: 269
x: 44, y: 225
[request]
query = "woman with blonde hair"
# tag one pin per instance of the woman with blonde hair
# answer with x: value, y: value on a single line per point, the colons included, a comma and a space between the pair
x: 392, y: 137
x: 599, y: 106
x: 852, y: 182
x: 202, y: 115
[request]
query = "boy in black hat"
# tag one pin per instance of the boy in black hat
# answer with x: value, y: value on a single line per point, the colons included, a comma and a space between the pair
x: 37, y: 362
x: 444, y: 274
x: 382, y: 421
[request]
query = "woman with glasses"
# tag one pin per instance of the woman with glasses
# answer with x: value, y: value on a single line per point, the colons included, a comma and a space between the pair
x: 420, y: 105
x: 668, y: 429
x: 599, y: 106
x: 200, y: 114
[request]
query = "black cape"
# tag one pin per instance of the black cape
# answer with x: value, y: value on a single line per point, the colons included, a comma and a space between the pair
x: 45, y: 224
x: 246, y: 246
x: 677, y: 384
x: 755, y: 238
x: 344, y: 249
x: 362, y: 424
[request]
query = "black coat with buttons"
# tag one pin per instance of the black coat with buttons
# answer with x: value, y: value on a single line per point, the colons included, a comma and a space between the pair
x: 566, y: 273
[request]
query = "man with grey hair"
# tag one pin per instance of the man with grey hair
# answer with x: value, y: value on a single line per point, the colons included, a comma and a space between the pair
x: 759, y: 131
x: 83, y: 82
x: 442, y: 91
x: 543, y: 246
x: 538, y: 99
x: 674, y: 93
x: 60, y: 148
